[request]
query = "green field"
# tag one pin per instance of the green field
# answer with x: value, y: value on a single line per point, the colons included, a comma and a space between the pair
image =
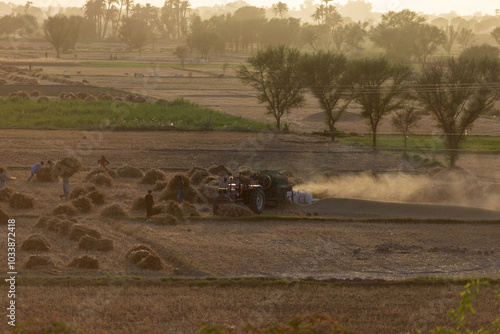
x: 179, y: 114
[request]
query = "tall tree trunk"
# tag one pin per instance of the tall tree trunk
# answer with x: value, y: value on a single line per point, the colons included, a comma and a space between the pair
x: 374, y: 140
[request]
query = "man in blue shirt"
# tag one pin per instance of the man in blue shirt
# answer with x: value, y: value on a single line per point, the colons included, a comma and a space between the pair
x: 35, y: 168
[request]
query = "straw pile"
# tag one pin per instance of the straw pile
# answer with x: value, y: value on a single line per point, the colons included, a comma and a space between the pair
x: 130, y: 172
x: 4, y: 218
x: 65, y: 209
x: 21, y: 201
x: 68, y: 167
x: 103, y: 180
x: 79, y: 231
x: 139, y: 204
x: 219, y: 170
x: 42, y: 99
x: 82, y: 204
x: 234, y: 210
x: 152, y: 176
x: 58, y: 225
x: 6, y: 193
x: 144, y: 258
x: 190, y: 193
x: 114, y: 211
x: 35, y: 243
x: 198, y: 176
x: 85, y: 262
x: 100, y: 170
x: 47, y: 174
x: 92, y: 244
x: 97, y: 197
x: 160, y: 185
x: 245, y: 171
x: 81, y: 191
x: 165, y: 219
x: 189, y: 210
x: 39, y: 261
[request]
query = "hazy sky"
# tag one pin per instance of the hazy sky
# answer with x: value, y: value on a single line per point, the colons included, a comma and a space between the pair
x: 425, y: 6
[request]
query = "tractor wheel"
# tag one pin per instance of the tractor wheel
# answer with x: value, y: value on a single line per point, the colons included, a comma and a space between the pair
x: 257, y: 201
x: 265, y: 181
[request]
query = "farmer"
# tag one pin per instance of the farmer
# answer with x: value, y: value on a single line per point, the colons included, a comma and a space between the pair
x: 3, y: 178
x: 180, y: 185
x: 34, y: 169
x: 103, y: 162
x: 65, y: 186
x: 149, y: 201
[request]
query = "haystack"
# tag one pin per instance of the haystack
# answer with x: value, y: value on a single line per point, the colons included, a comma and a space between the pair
x: 194, y: 170
x: 165, y: 219
x: 47, y: 174
x: 219, y: 170
x: 6, y: 193
x: 81, y: 191
x: 103, y: 180
x: 208, y: 193
x: 82, y: 95
x: 39, y: 261
x: 82, y: 204
x: 35, y: 243
x: 4, y: 218
x: 97, y: 171
x: 97, y: 197
x: 59, y: 226
x: 114, y: 211
x: 92, y: 244
x: 245, y: 171
x: 150, y: 262
x: 42, y: 222
x: 68, y: 167
x: 234, y: 210
x: 212, y: 180
x: 85, y: 262
x: 198, y: 176
x: 105, y: 96
x: 35, y: 93
x: 160, y: 185
x: 79, y: 231
x: 130, y: 172
x: 42, y: 99
x: 139, y: 204
x: 144, y: 258
x: 152, y: 176
x: 189, y: 210
x: 65, y: 209
x: 21, y: 201
x: 190, y: 193
x: 137, y: 247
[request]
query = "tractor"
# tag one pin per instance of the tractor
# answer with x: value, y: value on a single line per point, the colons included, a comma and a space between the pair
x: 269, y: 187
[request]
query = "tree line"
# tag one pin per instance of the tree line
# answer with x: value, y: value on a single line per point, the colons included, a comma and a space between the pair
x: 456, y: 90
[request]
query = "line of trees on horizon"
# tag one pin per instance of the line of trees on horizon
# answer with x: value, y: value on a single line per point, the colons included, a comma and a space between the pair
x: 455, y: 90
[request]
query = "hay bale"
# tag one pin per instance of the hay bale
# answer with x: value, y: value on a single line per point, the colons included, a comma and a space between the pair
x: 152, y: 176
x: 81, y: 191
x: 60, y: 226
x: 23, y: 94
x: 138, y: 247
x: 150, y: 262
x: 219, y: 170
x: 85, y: 262
x: 78, y: 231
x: 165, y: 219
x: 82, y: 95
x: 189, y: 210
x: 82, y: 204
x: 139, y: 204
x: 130, y: 172
x: 90, y: 98
x: 35, y: 261
x: 21, y: 201
x: 65, y: 209
x: 234, y: 210
x: 212, y: 180
x: 42, y: 222
x: 47, y: 174
x: 208, y: 193
x: 194, y: 170
x: 114, y: 211
x: 101, y: 180
x: 198, y: 176
x: 160, y: 185
x: 159, y: 209
x: 97, y: 171
x: 88, y: 243
x: 4, y: 218
x: 245, y: 171
x: 190, y: 193
x: 97, y: 197
x: 136, y: 256
x: 35, y: 243
x: 68, y: 167
x: 42, y: 99
x: 105, y: 97
x: 6, y: 193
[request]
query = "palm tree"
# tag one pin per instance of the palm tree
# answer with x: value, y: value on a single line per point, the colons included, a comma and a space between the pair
x: 110, y: 13
x: 280, y: 8
x: 95, y: 11
x: 128, y: 5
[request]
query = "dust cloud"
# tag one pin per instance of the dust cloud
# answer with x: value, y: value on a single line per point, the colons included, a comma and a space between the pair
x: 444, y: 187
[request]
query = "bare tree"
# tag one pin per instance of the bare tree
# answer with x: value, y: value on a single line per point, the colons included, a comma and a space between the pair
x: 450, y: 35
x: 273, y: 72
x: 403, y: 120
x: 465, y: 37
